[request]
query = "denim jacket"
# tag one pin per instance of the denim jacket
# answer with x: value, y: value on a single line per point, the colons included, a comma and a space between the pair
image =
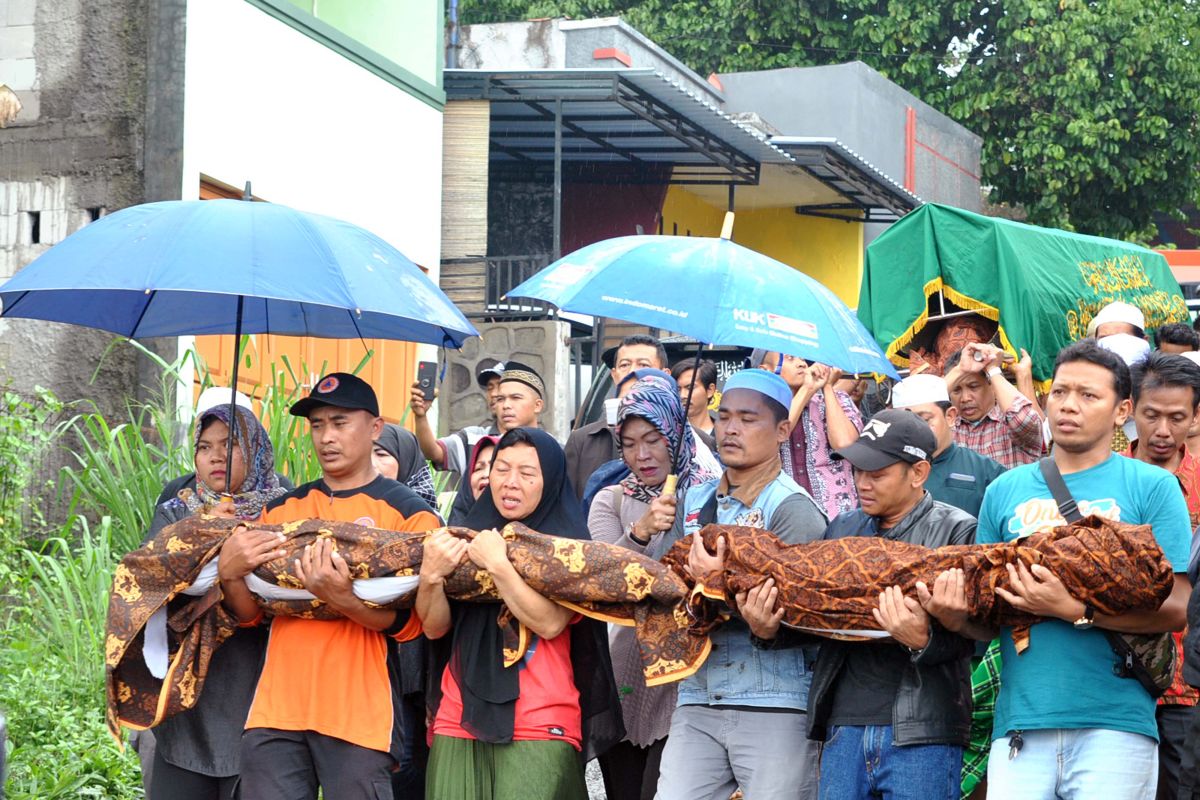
x: 736, y: 673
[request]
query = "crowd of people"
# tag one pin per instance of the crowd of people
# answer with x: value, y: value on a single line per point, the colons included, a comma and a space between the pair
x: 419, y: 703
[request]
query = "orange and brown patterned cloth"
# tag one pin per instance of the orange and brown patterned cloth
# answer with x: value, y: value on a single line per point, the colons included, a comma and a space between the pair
x: 827, y: 588
x: 600, y: 580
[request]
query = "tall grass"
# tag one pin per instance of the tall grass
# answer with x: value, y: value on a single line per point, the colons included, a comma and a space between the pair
x: 52, y: 663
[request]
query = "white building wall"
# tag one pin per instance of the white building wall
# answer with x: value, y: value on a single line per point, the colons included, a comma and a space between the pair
x: 310, y: 129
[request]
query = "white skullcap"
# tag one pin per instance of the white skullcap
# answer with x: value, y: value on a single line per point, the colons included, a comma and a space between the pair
x: 219, y: 396
x: 917, y: 390
x: 1130, y: 348
x: 1118, y: 312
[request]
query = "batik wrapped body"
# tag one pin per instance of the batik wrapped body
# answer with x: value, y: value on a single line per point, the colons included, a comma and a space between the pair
x: 600, y: 580
x: 829, y: 588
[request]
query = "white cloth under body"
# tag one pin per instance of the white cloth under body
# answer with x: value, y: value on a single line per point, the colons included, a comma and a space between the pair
x: 374, y: 590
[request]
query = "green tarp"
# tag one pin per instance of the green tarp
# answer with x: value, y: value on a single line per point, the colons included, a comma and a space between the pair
x: 1043, y: 286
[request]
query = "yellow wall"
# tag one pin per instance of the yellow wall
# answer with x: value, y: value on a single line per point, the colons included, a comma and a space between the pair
x: 824, y: 249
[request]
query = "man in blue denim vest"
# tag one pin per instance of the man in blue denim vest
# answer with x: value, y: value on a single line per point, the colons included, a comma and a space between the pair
x: 740, y: 720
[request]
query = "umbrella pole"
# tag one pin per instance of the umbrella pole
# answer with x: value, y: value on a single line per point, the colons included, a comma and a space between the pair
x: 687, y: 407
x: 237, y: 344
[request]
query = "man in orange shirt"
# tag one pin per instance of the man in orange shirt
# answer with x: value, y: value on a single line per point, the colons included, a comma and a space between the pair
x: 1166, y: 399
x: 326, y: 709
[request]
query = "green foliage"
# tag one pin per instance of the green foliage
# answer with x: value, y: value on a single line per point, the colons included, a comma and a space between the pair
x: 295, y: 455
x: 26, y: 433
x: 52, y: 663
x: 1088, y: 109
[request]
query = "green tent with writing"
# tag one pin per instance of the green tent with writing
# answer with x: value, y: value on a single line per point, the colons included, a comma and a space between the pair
x: 1042, y: 286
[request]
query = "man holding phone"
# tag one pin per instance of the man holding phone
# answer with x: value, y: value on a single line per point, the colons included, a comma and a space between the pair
x: 515, y: 398
x: 994, y: 418
x: 452, y: 452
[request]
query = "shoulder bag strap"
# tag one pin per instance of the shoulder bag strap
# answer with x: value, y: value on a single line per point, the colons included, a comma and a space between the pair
x: 1058, y: 487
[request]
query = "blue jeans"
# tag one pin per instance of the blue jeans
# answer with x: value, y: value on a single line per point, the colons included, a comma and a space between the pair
x: 1067, y: 764
x: 862, y: 762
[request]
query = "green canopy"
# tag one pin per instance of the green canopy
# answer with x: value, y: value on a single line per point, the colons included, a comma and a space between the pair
x: 1041, y: 285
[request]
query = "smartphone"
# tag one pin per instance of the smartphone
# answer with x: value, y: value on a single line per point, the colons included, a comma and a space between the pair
x: 427, y: 377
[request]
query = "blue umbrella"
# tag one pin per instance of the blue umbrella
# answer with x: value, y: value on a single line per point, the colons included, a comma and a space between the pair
x: 199, y: 267
x: 183, y: 268
x: 713, y: 290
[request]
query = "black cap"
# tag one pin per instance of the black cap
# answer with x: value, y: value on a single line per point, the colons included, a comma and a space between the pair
x: 339, y: 389
x: 893, y: 435
x: 491, y: 368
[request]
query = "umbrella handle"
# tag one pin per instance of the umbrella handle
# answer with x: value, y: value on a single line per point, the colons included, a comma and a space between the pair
x: 727, y: 226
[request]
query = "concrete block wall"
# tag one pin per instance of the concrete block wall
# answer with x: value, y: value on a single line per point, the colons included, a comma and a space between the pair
x: 541, y: 345
x: 75, y: 151
x: 17, y: 65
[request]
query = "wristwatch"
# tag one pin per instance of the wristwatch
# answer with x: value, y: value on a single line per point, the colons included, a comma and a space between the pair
x: 993, y: 372
x: 1087, y: 620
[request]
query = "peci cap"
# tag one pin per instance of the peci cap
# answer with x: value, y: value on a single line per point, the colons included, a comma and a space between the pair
x: 215, y: 396
x: 1117, y: 312
x: 522, y: 373
x: 1130, y: 348
x: 490, y: 369
x: 917, y: 390
x: 765, y: 383
x: 890, y: 436
x: 341, y: 390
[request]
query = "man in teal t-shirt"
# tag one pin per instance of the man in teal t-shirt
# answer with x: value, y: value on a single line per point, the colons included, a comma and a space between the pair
x: 1066, y: 725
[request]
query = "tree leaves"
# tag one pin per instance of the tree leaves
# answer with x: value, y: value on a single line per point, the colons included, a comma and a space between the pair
x: 1088, y: 108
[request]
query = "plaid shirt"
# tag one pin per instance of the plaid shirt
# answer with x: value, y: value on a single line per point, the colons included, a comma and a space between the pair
x: 1188, y: 473
x: 1012, y: 437
x: 985, y: 685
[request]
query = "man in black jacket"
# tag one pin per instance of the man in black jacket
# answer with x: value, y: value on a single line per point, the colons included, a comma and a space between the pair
x: 895, y: 714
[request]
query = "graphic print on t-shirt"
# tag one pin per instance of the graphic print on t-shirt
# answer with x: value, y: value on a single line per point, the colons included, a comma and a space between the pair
x: 1041, y: 514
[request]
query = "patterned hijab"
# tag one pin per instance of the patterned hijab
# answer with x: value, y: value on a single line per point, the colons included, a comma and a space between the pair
x: 260, y: 485
x: 655, y: 398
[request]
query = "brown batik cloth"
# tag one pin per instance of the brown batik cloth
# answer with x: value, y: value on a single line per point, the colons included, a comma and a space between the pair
x: 825, y: 587
x: 833, y: 585
x: 600, y: 580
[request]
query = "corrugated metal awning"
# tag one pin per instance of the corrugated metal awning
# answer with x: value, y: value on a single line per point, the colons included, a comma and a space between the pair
x: 869, y: 189
x: 637, y: 118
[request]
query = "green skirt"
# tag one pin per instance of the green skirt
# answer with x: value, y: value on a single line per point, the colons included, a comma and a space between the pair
x: 465, y: 769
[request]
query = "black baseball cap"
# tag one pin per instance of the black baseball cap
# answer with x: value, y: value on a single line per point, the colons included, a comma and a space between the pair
x: 339, y: 389
x: 896, y: 434
x: 491, y: 368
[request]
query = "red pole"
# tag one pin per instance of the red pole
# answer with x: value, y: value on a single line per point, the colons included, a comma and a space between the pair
x: 910, y: 143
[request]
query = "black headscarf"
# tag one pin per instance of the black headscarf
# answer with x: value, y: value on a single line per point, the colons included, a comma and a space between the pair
x: 413, y: 472
x: 464, y: 500
x: 475, y: 657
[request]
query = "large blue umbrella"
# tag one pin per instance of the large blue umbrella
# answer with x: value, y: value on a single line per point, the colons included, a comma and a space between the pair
x: 183, y: 268
x: 180, y: 268
x: 713, y: 290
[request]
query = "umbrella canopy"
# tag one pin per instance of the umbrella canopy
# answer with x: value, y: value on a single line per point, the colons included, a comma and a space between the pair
x: 711, y: 289
x: 179, y: 268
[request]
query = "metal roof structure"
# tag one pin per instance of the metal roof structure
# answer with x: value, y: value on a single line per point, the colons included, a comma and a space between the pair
x: 637, y: 118
x: 868, y: 189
